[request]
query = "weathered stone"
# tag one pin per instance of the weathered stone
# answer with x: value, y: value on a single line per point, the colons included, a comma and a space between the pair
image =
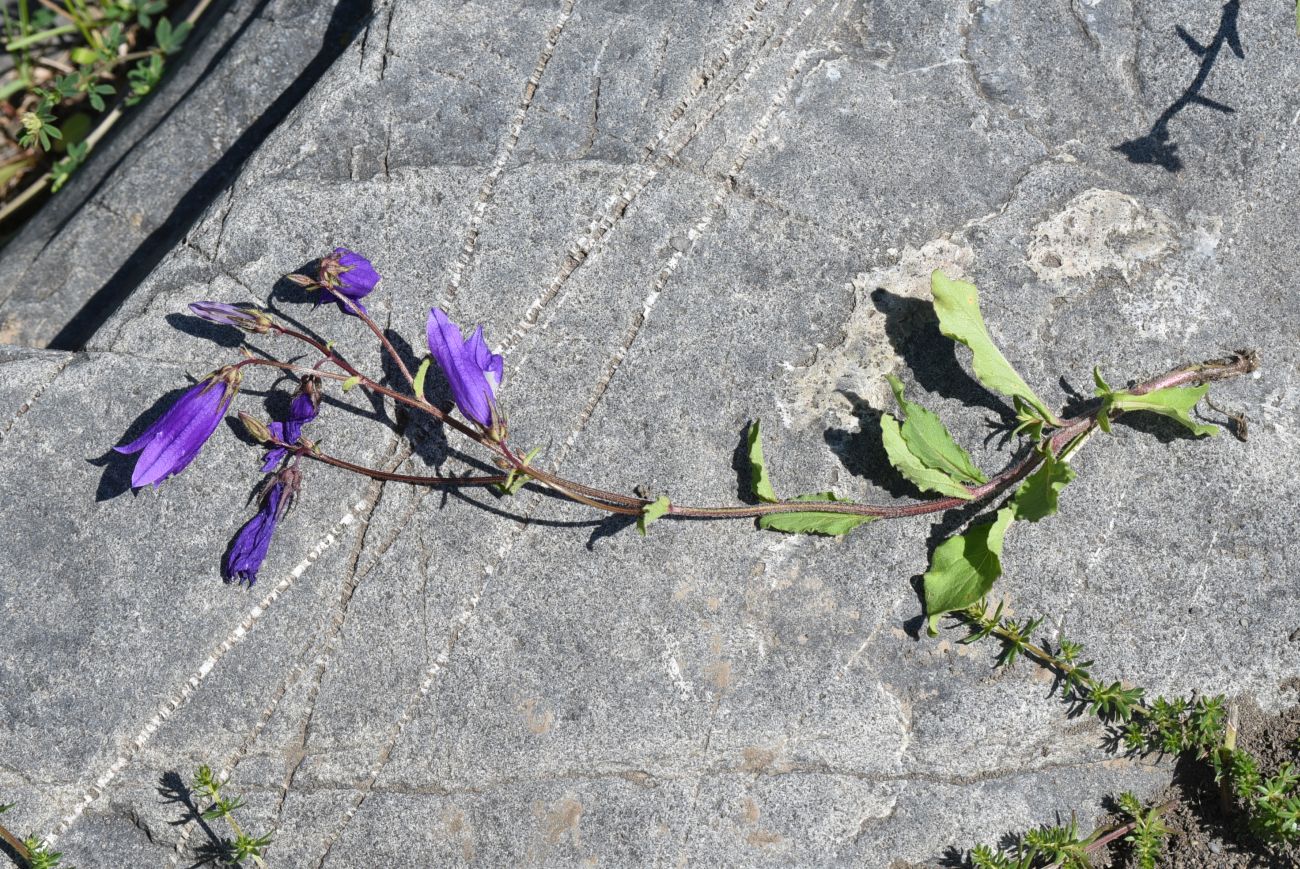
x: 673, y: 220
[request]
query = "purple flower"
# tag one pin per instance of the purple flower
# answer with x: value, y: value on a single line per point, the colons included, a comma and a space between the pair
x: 473, y: 371
x: 302, y: 410
x: 348, y: 274
x: 171, y: 443
x: 248, y: 549
x: 248, y: 319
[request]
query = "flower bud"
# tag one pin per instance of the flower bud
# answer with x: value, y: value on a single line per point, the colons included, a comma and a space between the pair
x: 256, y: 429
x: 248, y: 319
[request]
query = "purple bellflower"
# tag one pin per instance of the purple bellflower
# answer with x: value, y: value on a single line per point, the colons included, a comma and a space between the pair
x: 302, y: 410
x: 348, y: 274
x: 473, y: 370
x: 169, y: 445
x: 249, y: 319
x: 248, y: 549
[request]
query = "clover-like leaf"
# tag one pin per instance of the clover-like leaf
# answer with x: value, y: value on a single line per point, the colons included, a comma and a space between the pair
x: 757, y: 469
x: 814, y: 522
x: 1037, y: 496
x: 964, y: 567
x: 652, y: 511
x: 929, y: 440
x: 925, y: 478
x: 958, y: 307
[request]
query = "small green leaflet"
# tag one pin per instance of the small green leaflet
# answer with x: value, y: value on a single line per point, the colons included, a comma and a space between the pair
x: 926, y: 479
x: 929, y: 440
x: 651, y: 512
x: 958, y: 306
x: 351, y: 382
x: 830, y: 524
x: 757, y: 470
x: 420, y: 373
x: 964, y: 567
x: 1036, y: 498
x: 515, y: 480
x: 1175, y: 402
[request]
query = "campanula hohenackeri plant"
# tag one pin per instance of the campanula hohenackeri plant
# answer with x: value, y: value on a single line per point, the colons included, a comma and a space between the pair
x: 473, y: 370
x: 350, y: 275
x: 171, y: 443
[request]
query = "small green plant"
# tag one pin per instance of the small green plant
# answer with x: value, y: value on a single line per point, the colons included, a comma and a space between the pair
x: 1148, y: 833
x: 102, y: 45
x: 32, y: 850
x: 1062, y: 847
x: 243, y: 846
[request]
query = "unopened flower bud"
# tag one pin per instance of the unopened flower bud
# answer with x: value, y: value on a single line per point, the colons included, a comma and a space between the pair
x: 249, y: 319
x: 303, y: 281
x: 256, y: 429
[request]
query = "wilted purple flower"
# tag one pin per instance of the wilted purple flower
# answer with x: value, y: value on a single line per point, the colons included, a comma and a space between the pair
x: 171, y: 443
x: 473, y: 370
x: 302, y: 410
x: 349, y: 274
x: 248, y: 550
x: 248, y: 319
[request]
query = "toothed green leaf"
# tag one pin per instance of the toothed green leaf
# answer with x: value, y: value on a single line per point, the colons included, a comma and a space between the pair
x: 1037, y: 496
x: 925, y: 478
x: 651, y: 512
x: 958, y: 306
x: 928, y: 439
x: 757, y: 469
x: 964, y: 568
x: 812, y: 522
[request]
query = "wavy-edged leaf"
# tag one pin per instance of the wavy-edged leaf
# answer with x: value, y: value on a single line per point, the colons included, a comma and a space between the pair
x: 964, y: 567
x: 929, y: 440
x: 1036, y: 498
x: 652, y: 511
x: 1174, y: 402
x: 925, y: 478
x: 757, y: 469
x: 958, y: 306
x: 813, y: 522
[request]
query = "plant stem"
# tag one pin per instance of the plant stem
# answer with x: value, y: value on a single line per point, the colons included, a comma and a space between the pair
x: 15, y: 843
x: 376, y: 474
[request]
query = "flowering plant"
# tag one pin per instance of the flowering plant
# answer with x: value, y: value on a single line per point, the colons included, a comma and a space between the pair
x: 916, y: 442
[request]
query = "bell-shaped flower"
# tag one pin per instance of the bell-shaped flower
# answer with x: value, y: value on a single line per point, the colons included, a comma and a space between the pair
x: 169, y: 445
x: 302, y: 410
x: 473, y: 370
x: 247, y: 318
x: 348, y: 274
x: 248, y: 549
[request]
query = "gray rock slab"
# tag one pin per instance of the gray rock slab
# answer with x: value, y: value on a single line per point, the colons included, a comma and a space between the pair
x: 673, y: 221
x: 176, y: 152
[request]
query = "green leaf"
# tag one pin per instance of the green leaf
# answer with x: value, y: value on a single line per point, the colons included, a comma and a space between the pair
x: 757, y: 470
x: 651, y: 512
x: 351, y: 382
x: 515, y: 480
x: 964, y: 567
x: 929, y: 440
x: 1174, y: 402
x: 1037, y: 496
x: 813, y: 522
x: 958, y: 306
x: 925, y: 478
x: 420, y: 372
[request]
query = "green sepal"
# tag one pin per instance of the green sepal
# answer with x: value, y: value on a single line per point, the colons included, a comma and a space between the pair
x: 1036, y: 498
x: 516, y: 480
x: 652, y: 511
x: 351, y: 382
x: 812, y: 522
x: 964, y: 568
x: 757, y: 469
x: 958, y: 307
x: 418, y: 384
x: 929, y: 440
x: 925, y: 478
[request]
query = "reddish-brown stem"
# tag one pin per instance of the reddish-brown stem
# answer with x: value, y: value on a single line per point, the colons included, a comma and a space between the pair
x: 15, y: 843
x: 413, y: 479
x: 379, y: 333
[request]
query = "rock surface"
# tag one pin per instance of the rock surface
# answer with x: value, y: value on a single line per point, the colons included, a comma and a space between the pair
x: 672, y: 219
